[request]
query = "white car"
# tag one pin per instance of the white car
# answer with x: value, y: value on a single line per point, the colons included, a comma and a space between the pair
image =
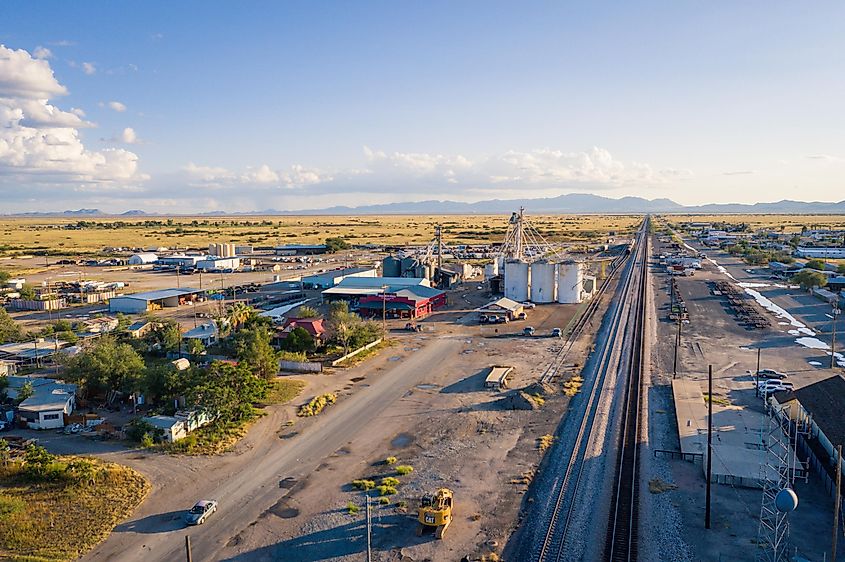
x: 529, y: 305
x: 200, y: 512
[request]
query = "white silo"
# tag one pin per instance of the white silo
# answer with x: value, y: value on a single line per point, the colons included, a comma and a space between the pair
x: 491, y: 269
x: 517, y: 280
x: 569, y: 283
x: 542, y: 282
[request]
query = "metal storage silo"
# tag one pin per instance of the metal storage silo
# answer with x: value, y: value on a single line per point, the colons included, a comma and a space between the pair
x: 408, y: 267
x: 491, y: 270
x: 569, y: 281
x: 517, y: 280
x: 542, y: 282
x: 391, y: 267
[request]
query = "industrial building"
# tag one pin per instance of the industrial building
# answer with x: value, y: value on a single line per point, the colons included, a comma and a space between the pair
x: 181, y: 261
x: 504, y: 307
x: 415, y: 301
x: 329, y: 279
x: 300, y: 249
x: 222, y: 250
x: 820, y: 253
x: 153, y: 300
x: 219, y: 264
x: 142, y: 258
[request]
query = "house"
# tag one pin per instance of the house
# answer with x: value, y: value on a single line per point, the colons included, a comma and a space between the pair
x: 174, y: 428
x: 206, y: 334
x: 314, y: 326
x: 101, y: 325
x: 50, y: 402
x: 503, y: 307
x: 140, y: 328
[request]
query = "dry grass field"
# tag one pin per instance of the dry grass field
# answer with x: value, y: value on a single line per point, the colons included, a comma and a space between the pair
x: 74, y: 236
x: 790, y: 223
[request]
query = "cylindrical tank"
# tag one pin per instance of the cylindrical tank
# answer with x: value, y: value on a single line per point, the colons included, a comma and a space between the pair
x: 569, y: 280
x: 542, y: 282
x: 391, y: 267
x: 491, y: 270
x: 517, y: 280
x: 408, y: 264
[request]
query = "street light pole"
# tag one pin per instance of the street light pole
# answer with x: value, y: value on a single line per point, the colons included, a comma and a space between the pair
x: 833, y: 339
x: 384, y: 312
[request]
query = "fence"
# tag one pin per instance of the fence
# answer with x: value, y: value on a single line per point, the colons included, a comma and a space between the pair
x: 337, y: 362
x: 300, y: 366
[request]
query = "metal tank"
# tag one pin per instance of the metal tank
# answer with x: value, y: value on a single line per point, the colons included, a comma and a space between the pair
x: 543, y: 282
x: 409, y: 266
x: 491, y: 270
x: 391, y: 267
x: 570, y: 278
x: 517, y: 280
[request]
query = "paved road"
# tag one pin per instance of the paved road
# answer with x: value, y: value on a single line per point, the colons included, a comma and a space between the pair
x: 249, y: 490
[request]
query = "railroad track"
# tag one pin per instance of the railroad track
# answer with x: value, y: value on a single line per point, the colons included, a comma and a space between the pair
x: 572, y: 335
x: 554, y: 544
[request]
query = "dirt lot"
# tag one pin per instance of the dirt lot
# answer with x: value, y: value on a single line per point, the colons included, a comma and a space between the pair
x: 714, y: 336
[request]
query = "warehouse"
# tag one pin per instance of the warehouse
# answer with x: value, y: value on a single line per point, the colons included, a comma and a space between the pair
x: 181, y: 261
x: 153, y: 300
x: 300, y: 249
x: 820, y: 253
x: 219, y: 264
x: 142, y: 259
x: 410, y: 302
x: 352, y: 288
x: 329, y: 279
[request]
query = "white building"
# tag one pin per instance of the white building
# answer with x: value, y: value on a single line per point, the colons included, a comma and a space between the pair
x: 820, y: 253
x: 49, y: 403
x: 142, y: 258
x: 218, y: 264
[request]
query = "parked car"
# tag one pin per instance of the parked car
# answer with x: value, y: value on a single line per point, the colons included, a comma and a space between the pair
x: 200, y: 512
x: 528, y: 331
x: 529, y: 305
x: 772, y: 374
x: 557, y: 333
x: 521, y: 316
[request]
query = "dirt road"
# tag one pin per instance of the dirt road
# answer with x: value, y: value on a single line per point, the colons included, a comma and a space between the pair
x: 249, y: 486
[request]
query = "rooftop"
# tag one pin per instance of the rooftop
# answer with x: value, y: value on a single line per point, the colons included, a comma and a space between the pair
x: 162, y: 294
x: 825, y: 401
x: 201, y: 331
x: 341, y: 271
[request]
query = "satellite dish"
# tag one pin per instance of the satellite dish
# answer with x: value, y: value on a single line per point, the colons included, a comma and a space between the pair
x: 786, y: 500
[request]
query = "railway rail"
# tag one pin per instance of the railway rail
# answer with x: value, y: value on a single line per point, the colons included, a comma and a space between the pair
x: 621, y: 539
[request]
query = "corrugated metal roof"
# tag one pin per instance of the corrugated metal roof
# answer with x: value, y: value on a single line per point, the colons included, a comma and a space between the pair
x: 160, y: 294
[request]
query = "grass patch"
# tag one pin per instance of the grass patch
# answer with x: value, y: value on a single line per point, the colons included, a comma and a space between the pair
x: 282, y: 391
x: 386, y: 490
x: 352, y: 509
x: 364, y: 355
x: 573, y: 386
x: 61, y: 519
x: 316, y: 405
x: 719, y: 401
x: 212, y: 439
x: 404, y: 469
x: 363, y: 484
x: 658, y: 486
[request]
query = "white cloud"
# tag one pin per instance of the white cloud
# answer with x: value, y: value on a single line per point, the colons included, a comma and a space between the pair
x: 824, y: 157
x: 89, y: 68
x: 40, y: 143
x: 78, y: 112
x: 263, y: 174
x: 128, y: 136
x: 42, y: 53
x: 117, y: 106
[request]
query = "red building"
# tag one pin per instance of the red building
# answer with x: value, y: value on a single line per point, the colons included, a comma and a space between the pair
x: 408, y: 302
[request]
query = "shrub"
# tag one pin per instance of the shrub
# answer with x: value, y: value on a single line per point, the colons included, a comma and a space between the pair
x: 390, y: 460
x: 386, y: 490
x: 293, y: 356
x: 351, y: 508
x: 316, y: 405
x: 390, y: 481
x: 545, y: 442
x: 10, y: 505
x: 363, y: 484
x: 384, y: 500
x: 147, y: 441
x: 404, y: 469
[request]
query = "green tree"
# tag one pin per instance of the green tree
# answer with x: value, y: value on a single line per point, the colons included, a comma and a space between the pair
x: 25, y: 391
x: 195, y: 347
x: 225, y: 390
x: 106, y: 366
x: 27, y: 292
x: 298, y: 340
x: 335, y: 244
x: 253, y: 350
x: 307, y: 312
x: 4, y: 276
x: 816, y: 264
x: 68, y: 336
x: 809, y: 279
x: 166, y: 337
x: 9, y: 329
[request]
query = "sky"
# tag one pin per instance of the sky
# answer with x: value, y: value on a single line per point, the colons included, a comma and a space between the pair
x: 183, y: 107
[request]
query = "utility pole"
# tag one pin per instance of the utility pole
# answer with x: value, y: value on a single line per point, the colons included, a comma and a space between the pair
x: 188, y: 548
x: 677, y: 345
x: 757, y: 374
x: 369, y: 531
x: 177, y: 275
x: 709, y: 444
x: 384, y: 312
x: 833, y: 339
x: 837, y: 501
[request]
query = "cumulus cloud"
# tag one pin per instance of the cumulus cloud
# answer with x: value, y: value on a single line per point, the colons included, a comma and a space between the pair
x: 89, y: 68
x: 261, y: 176
x: 117, y: 106
x: 128, y: 136
x: 40, y: 143
x: 42, y: 53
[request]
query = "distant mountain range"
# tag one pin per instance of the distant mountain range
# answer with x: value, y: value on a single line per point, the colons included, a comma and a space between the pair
x: 569, y: 203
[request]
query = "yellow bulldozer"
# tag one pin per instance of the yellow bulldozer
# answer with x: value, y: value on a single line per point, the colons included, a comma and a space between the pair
x: 435, y: 512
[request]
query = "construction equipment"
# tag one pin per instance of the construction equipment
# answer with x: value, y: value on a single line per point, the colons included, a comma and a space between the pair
x: 435, y: 512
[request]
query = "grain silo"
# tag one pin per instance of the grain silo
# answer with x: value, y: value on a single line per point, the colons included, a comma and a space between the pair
x: 569, y: 281
x: 517, y: 280
x: 543, y: 282
x: 491, y: 269
x: 391, y: 267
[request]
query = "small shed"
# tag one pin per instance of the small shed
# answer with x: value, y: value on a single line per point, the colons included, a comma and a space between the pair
x: 47, y: 408
x: 503, y: 307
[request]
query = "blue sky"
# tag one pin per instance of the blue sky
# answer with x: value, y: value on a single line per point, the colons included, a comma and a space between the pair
x: 293, y: 105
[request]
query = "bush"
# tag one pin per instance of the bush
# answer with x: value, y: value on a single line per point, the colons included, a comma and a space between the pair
x: 316, y: 405
x: 352, y: 509
x: 404, y: 469
x: 390, y: 460
x: 293, y: 356
x: 384, y: 500
x: 363, y: 484
x: 386, y: 490
x: 390, y: 481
